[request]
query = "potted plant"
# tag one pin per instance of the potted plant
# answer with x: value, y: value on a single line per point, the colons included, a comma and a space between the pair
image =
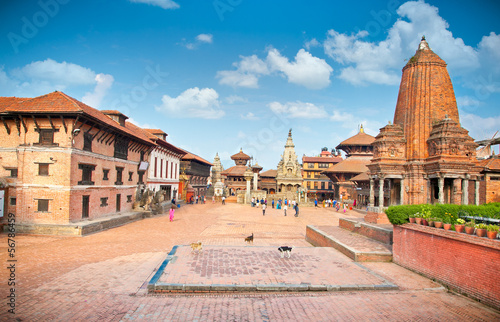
x: 418, y: 218
x: 459, y: 225
x: 426, y: 214
x: 447, y: 223
x: 481, y: 229
x: 438, y: 223
x: 411, y: 218
x: 492, y: 231
x: 469, y: 227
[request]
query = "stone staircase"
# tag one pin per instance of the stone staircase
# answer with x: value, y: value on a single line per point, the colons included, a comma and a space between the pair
x: 354, y: 237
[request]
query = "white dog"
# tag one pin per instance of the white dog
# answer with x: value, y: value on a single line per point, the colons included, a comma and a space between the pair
x: 286, y: 250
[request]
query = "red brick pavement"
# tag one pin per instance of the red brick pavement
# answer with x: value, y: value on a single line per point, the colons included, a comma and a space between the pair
x: 103, y: 276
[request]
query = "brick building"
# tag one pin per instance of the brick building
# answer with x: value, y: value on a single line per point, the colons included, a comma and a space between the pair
x: 63, y: 161
x: 197, y: 172
x: 425, y: 156
x: 234, y: 177
x: 316, y: 183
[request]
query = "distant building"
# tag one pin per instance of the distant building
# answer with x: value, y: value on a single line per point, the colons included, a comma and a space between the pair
x: 197, y: 171
x: 289, y: 172
x: 316, y: 183
x: 63, y: 161
x: 267, y: 181
x: 234, y: 177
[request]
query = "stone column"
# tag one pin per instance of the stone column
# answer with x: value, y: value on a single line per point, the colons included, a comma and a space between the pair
x: 381, y: 194
x: 372, y: 193
x: 476, y: 192
x: 247, y: 195
x: 441, y: 190
x: 465, y: 192
x: 402, y: 192
x: 255, y: 181
x: 429, y: 191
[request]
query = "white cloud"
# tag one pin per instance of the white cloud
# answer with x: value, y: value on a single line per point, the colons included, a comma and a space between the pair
x: 206, y: 38
x: 307, y: 70
x: 381, y: 62
x: 311, y: 43
x: 193, y: 103
x: 235, y: 98
x: 338, y: 116
x: 42, y: 77
x: 467, y: 101
x: 104, y: 83
x: 165, y: 4
x: 480, y: 128
x: 249, y: 116
x: 298, y: 110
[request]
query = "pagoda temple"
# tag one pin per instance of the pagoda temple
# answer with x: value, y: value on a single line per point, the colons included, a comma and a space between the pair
x: 425, y: 156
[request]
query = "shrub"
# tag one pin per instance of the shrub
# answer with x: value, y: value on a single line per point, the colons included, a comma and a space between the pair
x: 481, y: 226
x: 493, y: 228
x: 471, y: 223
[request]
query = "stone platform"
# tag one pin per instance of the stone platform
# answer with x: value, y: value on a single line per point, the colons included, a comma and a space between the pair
x: 261, y: 269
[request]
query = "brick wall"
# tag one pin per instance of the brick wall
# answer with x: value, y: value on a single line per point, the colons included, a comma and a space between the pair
x: 465, y: 263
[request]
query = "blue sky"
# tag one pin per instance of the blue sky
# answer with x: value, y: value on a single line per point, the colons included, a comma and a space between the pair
x: 225, y: 74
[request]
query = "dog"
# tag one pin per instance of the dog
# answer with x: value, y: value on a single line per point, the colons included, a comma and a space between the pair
x: 196, y: 247
x: 249, y: 239
x: 286, y: 250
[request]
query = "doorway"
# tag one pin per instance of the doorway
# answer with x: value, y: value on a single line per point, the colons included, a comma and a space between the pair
x: 85, y: 206
x: 118, y: 202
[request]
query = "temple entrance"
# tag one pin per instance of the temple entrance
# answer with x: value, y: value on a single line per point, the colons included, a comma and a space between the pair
x: 448, y: 190
x: 394, y: 192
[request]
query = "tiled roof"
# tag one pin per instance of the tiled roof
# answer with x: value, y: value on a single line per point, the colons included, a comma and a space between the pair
x: 235, y: 171
x: 240, y: 156
x: 359, y: 139
x: 60, y: 103
x: 322, y: 159
x: 269, y: 173
x: 113, y: 112
x: 192, y: 156
x: 155, y: 131
x: 7, y: 101
x: 156, y: 139
x: 490, y: 164
x: 361, y: 177
x: 349, y: 165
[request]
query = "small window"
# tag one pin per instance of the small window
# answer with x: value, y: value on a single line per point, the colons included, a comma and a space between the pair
x: 119, y: 175
x: 310, y: 165
x: 86, y: 174
x: 46, y: 137
x: 13, y: 173
x: 43, y: 205
x: 87, y: 141
x: 494, y: 178
x: 13, y: 201
x: 141, y: 177
x: 43, y: 169
x: 130, y: 175
x: 129, y: 198
x: 105, y: 174
x: 104, y: 202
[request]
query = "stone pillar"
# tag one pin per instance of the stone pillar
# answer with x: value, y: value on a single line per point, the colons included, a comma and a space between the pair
x: 429, y: 191
x: 465, y: 192
x: 441, y: 190
x: 381, y: 194
x: 372, y: 193
x: 402, y: 192
x: 476, y: 192
x: 255, y: 181
x: 247, y: 195
x: 457, y: 194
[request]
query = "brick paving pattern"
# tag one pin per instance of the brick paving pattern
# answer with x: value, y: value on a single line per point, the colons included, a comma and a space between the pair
x: 103, y: 276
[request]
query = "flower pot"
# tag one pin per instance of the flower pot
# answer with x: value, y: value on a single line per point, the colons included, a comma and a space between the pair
x: 469, y: 230
x: 447, y: 226
x: 425, y: 222
x: 459, y: 228
x: 492, y: 234
x: 412, y: 220
x: 438, y: 224
x: 418, y: 221
x: 431, y: 223
x: 481, y: 232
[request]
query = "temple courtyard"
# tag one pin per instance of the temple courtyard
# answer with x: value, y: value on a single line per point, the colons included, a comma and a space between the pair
x: 105, y: 276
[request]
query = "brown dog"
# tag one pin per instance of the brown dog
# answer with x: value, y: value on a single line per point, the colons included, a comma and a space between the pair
x: 196, y: 247
x: 249, y: 239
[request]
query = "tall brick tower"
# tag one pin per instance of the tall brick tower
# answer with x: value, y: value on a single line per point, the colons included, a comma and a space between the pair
x: 425, y: 156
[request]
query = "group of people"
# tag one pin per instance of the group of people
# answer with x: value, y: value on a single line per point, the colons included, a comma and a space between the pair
x: 334, y: 204
x: 280, y: 204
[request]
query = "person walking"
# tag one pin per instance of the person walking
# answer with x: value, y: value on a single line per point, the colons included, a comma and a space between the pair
x: 223, y: 200
x: 285, y: 207
x: 172, y: 211
x: 272, y: 204
x: 196, y: 199
x: 316, y: 203
x: 263, y: 209
x: 296, y: 210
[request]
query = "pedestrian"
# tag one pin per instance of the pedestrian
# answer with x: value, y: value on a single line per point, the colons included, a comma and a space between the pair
x: 253, y: 202
x: 272, y: 204
x: 285, y: 208
x: 296, y: 210
x: 316, y: 203
x: 173, y: 201
x: 196, y: 199
x: 263, y: 209
x: 172, y: 211
x: 213, y: 199
x: 223, y: 200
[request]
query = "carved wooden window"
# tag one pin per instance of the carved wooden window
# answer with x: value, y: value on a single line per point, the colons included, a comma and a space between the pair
x: 119, y: 175
x: 87, y: 141
x: 141, y: 177
x: 13, y: 172
x: 86, y: 174
x: 104, y: 202
x: 105, y: 174
x: 46, y: 137
x: 121, y: 147
x: 43, y: 169
x: 129, y: 198
x: 43, y: 205
x: 130, y: 175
